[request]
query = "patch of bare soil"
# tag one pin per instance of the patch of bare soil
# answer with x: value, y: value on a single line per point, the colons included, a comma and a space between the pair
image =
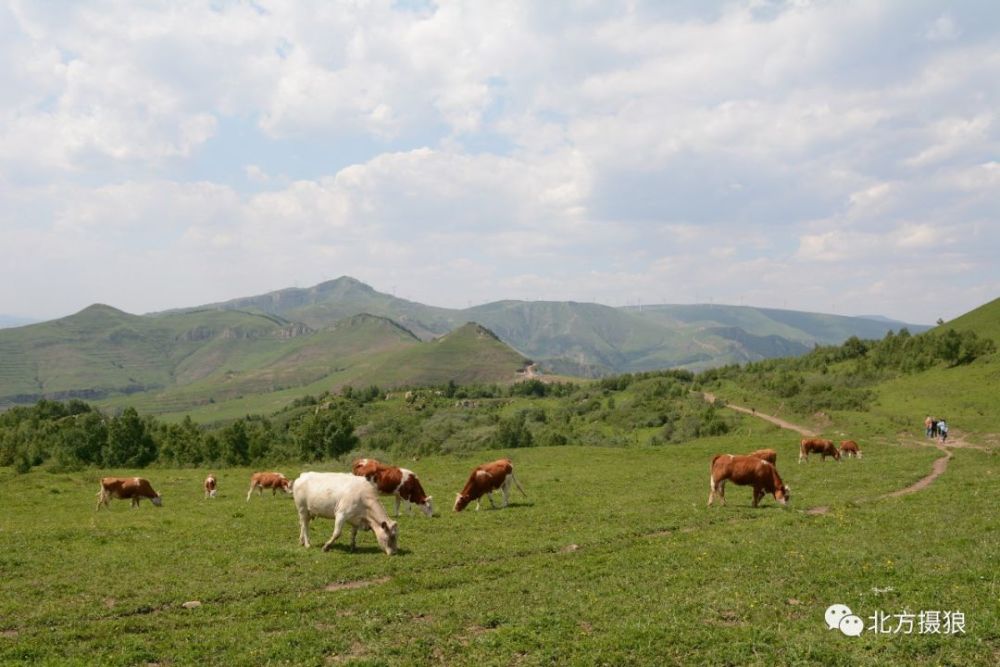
x: 357, y: 651
x: 352, y: 585
x: 814, y: 511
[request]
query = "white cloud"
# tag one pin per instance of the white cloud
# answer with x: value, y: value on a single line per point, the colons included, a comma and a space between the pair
x: 461, y: 149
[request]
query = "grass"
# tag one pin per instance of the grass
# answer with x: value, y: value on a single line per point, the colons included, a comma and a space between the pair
x: 613, y: 559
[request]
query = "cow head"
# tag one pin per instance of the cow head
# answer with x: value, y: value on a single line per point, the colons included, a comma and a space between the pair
x: 461, y: 501
x: 286, y: 485
x: 387, y: 533
x: 427, y: 508
x: 157, y: 500
x: 783, y: 494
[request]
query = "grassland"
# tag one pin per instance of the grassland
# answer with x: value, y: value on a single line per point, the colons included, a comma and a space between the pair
x: 613, y: 559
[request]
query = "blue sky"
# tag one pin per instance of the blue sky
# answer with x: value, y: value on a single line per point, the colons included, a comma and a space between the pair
x: 823, y: 156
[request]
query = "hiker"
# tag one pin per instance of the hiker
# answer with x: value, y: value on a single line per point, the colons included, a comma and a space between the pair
x: 929, y: 426
x: 942, y: 428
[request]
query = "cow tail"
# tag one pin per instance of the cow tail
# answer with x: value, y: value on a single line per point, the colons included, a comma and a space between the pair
x: 513, y: 477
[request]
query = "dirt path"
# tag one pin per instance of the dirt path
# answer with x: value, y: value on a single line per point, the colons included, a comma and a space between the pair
x: 760, y: 415
x: 937, y: 469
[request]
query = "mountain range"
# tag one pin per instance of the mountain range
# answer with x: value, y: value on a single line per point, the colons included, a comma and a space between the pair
x: 341, y: 332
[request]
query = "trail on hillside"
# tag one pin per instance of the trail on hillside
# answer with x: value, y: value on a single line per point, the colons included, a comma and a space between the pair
x: 937, y: 469
x: 802, y: 430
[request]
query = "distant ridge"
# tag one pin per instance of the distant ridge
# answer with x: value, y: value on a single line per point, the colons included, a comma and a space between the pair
x: 343, y: 332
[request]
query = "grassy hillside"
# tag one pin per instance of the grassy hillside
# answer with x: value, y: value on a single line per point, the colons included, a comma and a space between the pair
x: 613, y: 557
x: 286, y: 341
x: 328, y: 302
x: 984, y: 320
x: 587, y: 339
x: 631, y: 572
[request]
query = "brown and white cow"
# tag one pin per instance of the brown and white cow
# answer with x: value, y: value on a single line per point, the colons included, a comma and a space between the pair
x: 397, y: 482
x: 210, y: 486
x: 746, y: 471
x: 819, y: 446
x: 768, y: 455
x: 849, y: 448
x: 126, y: 488
x: 485, y: 479
x: 269, y: 480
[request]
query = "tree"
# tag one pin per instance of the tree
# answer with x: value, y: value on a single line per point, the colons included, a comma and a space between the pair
x: 326, y: 433
x: 236, y: 444
x: 130, y: 443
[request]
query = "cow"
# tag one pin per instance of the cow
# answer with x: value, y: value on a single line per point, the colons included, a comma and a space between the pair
x: 344, y: 498
x: 126, y: 488
x: 397, y: 482
x: 825, y: 448
x: 269, y: 480
x: 210, y: 486
x: 768, y: 455
x: 746, y: 470
x: 849, y: 448
x: 485, y: 479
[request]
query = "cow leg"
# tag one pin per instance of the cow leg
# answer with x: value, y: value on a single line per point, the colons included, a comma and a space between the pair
x: 722, y: 492
x: 250, y: 492
x: 397, y: 505
x: 135, y: 502
x: 304, y: 529
x: 757, y: 495
x: 505, y: 489
x: 338, y: 527
x: 490, y: 497
x: 354, y: 537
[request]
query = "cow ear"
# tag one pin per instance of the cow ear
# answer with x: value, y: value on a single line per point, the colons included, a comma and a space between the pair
x: 385, y: 526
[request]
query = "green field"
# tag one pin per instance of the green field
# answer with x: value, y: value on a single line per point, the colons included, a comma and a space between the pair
x: 613, y: 559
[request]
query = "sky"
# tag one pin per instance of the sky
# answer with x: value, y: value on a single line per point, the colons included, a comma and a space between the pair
x: 839, y: 157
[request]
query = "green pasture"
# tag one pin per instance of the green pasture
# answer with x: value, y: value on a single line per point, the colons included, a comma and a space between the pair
x: 612, y: 559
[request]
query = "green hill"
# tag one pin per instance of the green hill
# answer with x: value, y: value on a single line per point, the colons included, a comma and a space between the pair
x: 328, y: 302
x: 985, y: 321
x: 587, y: 339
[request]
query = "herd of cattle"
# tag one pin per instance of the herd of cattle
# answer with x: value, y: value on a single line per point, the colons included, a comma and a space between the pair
x: 353, y: 498
x: 759, y: 469
x: 345, y: 498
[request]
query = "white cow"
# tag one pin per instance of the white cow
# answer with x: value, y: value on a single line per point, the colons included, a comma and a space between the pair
x: 343, y: 498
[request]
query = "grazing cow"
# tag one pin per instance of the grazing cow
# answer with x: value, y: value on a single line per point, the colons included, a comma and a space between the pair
x: 768, y: 455
x: 126, y: 488
x: 817, y: 446
x: 398, y: 482
x: 746, y: 470
x: 210, y: 486
x: 269, y: 480
x: 485, y: 479
x: 343, y: 498
x: 849, y: 448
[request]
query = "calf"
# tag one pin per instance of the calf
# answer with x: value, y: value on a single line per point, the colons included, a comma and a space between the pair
x: 484, y: 480
x: 269, y: 480
x: 746, y: 470
x: 345, y: 499
x: 398, y: 482
x: 210, y: 486
x: 768, y: 455
x: 126, y: 488
x: 849, y: 448
x: 825, y: 448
